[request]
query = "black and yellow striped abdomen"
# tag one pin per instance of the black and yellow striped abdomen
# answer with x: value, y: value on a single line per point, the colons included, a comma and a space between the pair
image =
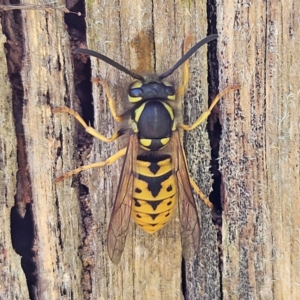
x: 154, y: 192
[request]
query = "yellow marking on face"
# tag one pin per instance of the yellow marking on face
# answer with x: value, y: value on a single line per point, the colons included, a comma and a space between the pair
x: 134, y: 99
x: 136, y: 84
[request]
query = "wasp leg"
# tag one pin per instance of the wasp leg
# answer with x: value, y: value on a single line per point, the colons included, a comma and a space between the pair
x: 205, y: 115
x: 200, y: 193
x: 111, y: 101
x: 183, y: 88
x: 108, y: 161
x: 92, y: 131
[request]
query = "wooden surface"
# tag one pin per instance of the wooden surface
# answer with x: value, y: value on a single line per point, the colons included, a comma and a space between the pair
x: 258, y: 48
x: 259, y: 152
x: 10, y: 261
x: 41, y: 79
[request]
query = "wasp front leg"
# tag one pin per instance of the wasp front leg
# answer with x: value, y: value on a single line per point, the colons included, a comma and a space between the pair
x: 92, y: 131
x: 205, y: 114
x: 201, y: 119
x: 111, y: 101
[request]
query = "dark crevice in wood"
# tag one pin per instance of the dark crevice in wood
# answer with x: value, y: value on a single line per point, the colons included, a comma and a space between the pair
x: 22, y: 223
x: 183, y: 276
x: 73, y: 20
x: 82, y: 65
x: 83, y: 85
x: 214, y: 127
x: 22, y: 229
x: 215, y: 130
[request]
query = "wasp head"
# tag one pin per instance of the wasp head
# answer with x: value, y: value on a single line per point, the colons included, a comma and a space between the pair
x: 153, y: 89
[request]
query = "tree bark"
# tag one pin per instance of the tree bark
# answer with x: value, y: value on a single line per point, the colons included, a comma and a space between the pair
x: 253, y: 254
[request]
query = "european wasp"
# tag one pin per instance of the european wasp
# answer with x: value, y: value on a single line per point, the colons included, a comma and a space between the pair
x: 152, y: 179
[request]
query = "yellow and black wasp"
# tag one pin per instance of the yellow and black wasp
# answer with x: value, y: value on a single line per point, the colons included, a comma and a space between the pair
x: 152, y: 179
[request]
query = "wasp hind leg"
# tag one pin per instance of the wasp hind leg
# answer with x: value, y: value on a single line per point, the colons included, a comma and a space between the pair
x: 201, y: 194
x: 108, y: 161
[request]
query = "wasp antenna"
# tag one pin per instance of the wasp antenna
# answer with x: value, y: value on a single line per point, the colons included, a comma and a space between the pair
x: 109, y: 61
x: 188, y: 54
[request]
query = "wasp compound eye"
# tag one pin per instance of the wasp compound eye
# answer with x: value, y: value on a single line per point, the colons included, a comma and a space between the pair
x: 170, y: 90
x: 136, y: 92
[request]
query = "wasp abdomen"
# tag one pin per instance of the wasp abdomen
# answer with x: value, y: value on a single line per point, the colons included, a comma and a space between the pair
x: 154, y: 192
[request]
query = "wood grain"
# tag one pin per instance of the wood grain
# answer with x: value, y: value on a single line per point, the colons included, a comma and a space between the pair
x: 259, y: 152
x: 13, y: 281
x: 260, y: 149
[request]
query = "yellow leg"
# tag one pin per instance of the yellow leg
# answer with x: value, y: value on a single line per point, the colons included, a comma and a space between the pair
x: 183, y: 88
x: 92, y: 131
x: 109, y: 161
x: 201, y: 194
x: 205, y: 115
x: 111, y: 101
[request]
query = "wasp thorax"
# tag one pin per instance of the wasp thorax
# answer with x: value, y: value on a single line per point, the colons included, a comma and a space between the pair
x: 139, y: 91
x: 153, y: 122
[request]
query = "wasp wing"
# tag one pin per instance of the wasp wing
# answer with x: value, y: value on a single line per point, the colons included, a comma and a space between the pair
x: 188, y: 215
x: 119, y: 220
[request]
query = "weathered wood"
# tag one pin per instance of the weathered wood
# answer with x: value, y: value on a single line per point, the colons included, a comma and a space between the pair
x: 260, y: 149
x: 45, y: 82
x: 259, y: 154
x: 48, y: 82
x: 13, y: 282
x: 151, y: 40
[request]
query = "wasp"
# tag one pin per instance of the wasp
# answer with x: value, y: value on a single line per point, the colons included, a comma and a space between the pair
x: 155, y: 174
